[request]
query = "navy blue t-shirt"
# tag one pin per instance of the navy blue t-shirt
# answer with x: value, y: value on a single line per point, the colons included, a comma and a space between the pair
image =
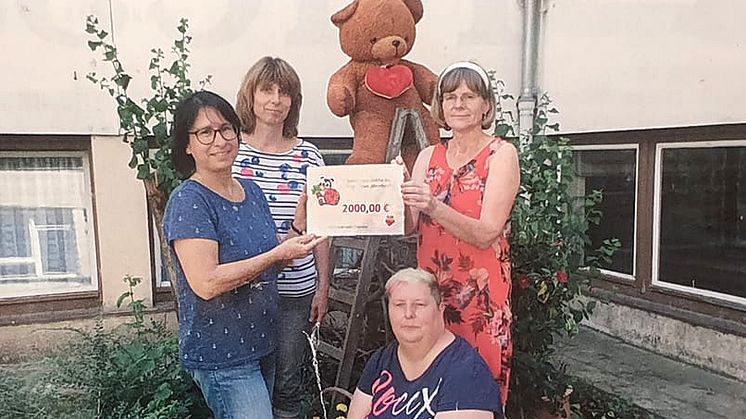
x: 458, y: 379
x: 237, y: 326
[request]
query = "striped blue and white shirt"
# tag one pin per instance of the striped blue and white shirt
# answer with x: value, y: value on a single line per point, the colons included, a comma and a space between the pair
x: 282, y: 177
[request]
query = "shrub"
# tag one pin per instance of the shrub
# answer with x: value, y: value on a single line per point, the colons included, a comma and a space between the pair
x: 550, y: 261
x: 133, y: 371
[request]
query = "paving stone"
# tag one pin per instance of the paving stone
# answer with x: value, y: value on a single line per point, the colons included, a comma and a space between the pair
x: 670, y: 388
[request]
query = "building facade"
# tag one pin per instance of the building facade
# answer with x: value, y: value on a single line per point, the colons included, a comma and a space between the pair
x: 650, y: 93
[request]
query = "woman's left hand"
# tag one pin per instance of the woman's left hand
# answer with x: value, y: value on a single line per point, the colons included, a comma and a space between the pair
x: 418, y: 195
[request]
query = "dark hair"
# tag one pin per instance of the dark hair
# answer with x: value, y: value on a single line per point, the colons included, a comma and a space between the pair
x: 184, y: 117
x: 265, y: 72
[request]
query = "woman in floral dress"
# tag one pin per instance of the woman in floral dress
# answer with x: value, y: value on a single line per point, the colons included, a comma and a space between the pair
x: 459, y: 200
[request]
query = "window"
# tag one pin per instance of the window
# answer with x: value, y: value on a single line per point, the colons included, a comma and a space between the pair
x: 611, y: 169
x: 46, y: 234
x: 335, y: 157
x: 699, y: 242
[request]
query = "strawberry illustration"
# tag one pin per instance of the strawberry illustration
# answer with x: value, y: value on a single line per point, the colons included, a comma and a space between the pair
x: 325, y: 193
x: 331, y: 196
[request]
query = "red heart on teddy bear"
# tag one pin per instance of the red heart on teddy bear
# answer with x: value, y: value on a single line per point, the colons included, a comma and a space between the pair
x: 389, y: 82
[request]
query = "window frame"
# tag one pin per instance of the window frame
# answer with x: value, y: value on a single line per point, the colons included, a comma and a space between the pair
x: 61, y: 306
x: 627, y: 278
x: 656, y: 283
x: 695, y: 309
x: 87, y: 201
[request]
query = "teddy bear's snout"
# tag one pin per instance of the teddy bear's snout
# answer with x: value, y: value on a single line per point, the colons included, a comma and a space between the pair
x: 390, y: 47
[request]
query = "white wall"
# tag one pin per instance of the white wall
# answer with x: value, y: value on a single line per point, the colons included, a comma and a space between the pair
x: 620, y: 64
x: 44, y: 89
x: 122, y: 222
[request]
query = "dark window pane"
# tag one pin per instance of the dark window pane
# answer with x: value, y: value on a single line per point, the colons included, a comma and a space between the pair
x: 614, y: 173
x: 14, y: 234
x: 335, y: 159
x: 702, y: 228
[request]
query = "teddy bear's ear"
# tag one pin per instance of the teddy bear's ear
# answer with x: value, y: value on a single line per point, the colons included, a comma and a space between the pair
x: 415, y: 6
x: 345, y: 14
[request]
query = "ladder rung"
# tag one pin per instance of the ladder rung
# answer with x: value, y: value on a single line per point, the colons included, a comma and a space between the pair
x: 330, y: 350
x: 345, y: 297
x: 350, y: 242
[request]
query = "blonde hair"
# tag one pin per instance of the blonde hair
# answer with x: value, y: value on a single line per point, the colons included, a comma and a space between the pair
x: 265, y: 72
x: 451, y: 79
x: 415, y: 276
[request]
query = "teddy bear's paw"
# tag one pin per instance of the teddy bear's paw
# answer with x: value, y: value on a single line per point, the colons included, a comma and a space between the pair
x: 340, y: 100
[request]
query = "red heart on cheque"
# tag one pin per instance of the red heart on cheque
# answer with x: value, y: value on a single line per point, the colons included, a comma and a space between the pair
x: 389, y: 82
x: 389, y: 219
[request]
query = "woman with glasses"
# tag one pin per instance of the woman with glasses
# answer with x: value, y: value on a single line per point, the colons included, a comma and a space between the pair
x: 272, y: 155
x: 228, y: 257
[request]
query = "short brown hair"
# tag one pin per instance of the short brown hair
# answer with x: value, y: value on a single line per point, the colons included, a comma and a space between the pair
x: 268, y: 71
x: 450, y: 81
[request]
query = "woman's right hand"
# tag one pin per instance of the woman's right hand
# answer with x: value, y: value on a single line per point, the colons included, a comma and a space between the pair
x: 417, y: 195
x: 297, y: 247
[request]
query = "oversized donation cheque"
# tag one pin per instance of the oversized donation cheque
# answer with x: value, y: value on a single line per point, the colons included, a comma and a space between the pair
x: 355, y: 200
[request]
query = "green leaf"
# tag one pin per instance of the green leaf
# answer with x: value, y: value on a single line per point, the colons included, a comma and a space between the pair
x: 140, y: 146
x: 93, y: 45
x: 133, y: 162
x: 122, y: 297
x: 125, y: 115
x: 502, y: 130
x: 159, y: 130
x: 122, y: 80
x: 143, y: 171
x: 158, y: 105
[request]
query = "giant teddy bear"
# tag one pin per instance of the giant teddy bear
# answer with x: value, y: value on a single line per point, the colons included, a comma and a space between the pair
x: 376, y: 34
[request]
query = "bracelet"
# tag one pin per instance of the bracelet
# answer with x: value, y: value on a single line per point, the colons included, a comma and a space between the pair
x: 295, y: 229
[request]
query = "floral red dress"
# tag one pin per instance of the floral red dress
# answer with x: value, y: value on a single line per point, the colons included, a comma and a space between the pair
x: 475, y: 283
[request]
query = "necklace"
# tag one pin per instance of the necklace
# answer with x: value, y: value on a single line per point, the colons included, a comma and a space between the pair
x: 230, y: 193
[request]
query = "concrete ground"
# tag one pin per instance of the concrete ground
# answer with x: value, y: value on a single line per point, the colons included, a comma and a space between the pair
x: 667, y: 387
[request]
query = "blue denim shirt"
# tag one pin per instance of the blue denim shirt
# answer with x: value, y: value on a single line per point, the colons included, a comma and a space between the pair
x: 237, y: 326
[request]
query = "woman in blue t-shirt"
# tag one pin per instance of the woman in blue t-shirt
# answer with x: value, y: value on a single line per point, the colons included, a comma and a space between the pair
x: 228, y: 257
x: 427, y: 372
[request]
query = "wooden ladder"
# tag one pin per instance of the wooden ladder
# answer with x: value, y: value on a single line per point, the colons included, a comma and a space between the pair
x: 367, y: 269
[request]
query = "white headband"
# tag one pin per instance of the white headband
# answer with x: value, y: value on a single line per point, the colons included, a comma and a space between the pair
x: 464, y: 64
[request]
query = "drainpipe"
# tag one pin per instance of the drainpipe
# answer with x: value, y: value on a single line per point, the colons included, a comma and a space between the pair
x: 529, y: 62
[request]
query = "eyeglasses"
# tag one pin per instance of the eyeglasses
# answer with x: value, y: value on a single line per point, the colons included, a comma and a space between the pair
x: 206, y: 136
x: 465, y: 97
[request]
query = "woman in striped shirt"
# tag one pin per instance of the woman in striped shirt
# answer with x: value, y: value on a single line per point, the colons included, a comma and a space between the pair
x: 271, y: 155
